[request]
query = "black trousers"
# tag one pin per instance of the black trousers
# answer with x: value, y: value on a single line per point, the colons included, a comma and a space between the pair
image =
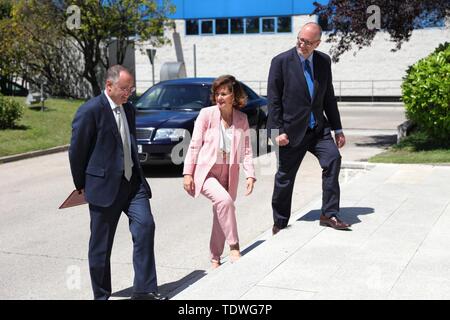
x: 133, y: 200
x: 322, y: 145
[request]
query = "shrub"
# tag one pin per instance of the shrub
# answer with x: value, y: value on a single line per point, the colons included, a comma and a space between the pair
x: 426, y: 93
x: 420, y: 141
x: 10, y: 112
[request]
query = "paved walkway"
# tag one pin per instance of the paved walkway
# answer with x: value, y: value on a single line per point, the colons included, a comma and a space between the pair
x: 397, y: 248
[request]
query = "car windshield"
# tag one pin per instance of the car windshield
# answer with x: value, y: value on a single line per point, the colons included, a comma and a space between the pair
x: 175, y: 97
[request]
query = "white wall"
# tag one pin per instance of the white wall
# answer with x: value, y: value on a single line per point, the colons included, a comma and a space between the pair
x: 248, y: 58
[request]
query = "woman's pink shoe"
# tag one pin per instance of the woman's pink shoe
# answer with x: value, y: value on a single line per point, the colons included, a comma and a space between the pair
x: 215, y: 264
x: 235, y: 255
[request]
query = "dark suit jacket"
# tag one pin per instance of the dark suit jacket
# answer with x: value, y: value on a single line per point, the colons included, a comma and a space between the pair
x: 96, y: 151
x: 289, y: 102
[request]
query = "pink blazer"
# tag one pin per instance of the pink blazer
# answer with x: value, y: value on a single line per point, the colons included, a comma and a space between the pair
x: 204, y: 147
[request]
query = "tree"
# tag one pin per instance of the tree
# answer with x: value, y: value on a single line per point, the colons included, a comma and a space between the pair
x: 33, y: 52
x: 102, y: 23
x: 350, y: 20
x: 79, y: 39
x: 11, y: 52
x: 6, y: 65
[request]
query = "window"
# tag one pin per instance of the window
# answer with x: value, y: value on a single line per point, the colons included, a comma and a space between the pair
x: 249, y: 25
x: 191, y: 27
x: 284, y: 24
x: 268, y: 25
x: 221, y: 26
x: 207, y: 26
x: 252, y: 25
x: 184, y: 96
x: 237, y: 25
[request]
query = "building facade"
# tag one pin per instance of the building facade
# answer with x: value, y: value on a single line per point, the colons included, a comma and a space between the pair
x: 240, y: 37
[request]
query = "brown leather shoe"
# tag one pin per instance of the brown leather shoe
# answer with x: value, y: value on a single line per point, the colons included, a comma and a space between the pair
x: 149, y: 296
x: 333, y: 222
x: 275, y: 230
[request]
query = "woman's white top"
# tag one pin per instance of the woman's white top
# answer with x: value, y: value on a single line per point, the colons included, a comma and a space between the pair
x: 226, y: 136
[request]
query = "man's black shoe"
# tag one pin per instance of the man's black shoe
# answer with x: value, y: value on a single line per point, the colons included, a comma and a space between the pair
x: 275, y: 230
x: 148, y: 296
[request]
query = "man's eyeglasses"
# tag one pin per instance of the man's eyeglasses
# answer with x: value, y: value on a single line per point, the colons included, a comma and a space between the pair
x: 127, y: 90
x: 306, y: 42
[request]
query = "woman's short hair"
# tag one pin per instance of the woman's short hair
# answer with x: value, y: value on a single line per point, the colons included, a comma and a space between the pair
x: 234, y: 86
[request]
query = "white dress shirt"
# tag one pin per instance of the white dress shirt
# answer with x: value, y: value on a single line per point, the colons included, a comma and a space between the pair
x: 117, y: 109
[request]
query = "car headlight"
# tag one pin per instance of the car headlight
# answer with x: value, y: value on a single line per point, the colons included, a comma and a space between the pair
x: 173, y: 134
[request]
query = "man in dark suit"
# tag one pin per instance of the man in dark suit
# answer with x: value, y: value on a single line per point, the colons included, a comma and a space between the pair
x: 303, y: 108
x: 104, y: 163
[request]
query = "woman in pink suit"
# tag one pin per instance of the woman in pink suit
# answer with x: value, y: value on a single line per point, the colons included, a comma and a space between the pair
x: 219, y: 144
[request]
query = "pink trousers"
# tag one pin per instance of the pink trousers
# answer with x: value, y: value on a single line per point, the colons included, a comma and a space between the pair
x: 224, y: 227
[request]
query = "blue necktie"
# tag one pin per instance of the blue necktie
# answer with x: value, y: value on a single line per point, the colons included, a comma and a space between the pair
x: 310, y: 81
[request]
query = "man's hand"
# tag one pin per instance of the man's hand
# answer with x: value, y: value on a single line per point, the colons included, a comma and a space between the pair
x: 250, y: 184
x: 188, y: 184
x: 282, y: 139
x: 340, y: 140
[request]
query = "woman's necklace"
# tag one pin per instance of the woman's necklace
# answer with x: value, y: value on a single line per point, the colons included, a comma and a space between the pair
x: 227, y: 121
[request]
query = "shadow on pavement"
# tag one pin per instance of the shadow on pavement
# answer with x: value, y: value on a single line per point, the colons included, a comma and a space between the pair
x: 168, y: 289
x: 252, y: 246
x: 381, y: 141
x: 348, y: 214
x: 163, y: 171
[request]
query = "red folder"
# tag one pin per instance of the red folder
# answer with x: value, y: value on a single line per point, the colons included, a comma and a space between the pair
x: 76, y: 198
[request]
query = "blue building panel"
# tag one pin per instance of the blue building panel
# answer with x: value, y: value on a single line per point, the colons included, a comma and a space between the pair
x: 200, y: 9
x: 305, y: 7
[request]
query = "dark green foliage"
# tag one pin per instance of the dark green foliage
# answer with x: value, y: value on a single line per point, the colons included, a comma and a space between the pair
x: 10, y: 112
x: 426, y: 93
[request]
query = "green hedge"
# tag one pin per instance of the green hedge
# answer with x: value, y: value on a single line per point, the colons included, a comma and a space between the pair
x: 426, y: 93
x: 10, y: 112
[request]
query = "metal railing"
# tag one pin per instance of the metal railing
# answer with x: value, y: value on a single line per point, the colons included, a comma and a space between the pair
x: 345, y: 88
x: 367, y: 88
x: 342, y: 88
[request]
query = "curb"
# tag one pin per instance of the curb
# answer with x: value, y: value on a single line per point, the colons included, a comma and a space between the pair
x: 357, y: 165
x: 33, y: 154
x: 394, y: 104
x: 404, y: 129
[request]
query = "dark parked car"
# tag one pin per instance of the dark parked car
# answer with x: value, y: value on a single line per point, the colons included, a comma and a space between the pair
x: 166, y: 113
x: 9, y: 88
